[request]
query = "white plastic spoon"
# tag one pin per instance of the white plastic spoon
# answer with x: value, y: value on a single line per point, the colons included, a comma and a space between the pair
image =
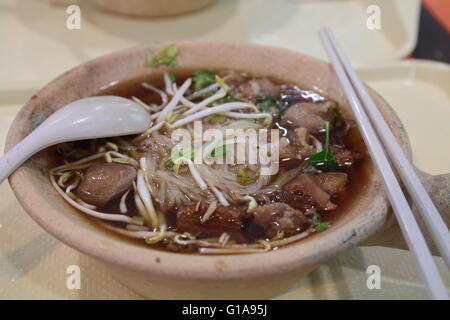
x: 89, y: 118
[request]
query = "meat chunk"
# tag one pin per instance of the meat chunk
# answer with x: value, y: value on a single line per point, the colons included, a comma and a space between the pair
x: 345, y: 157
x: 256, y: 88
x: 280, y: 217
x: 224, y: 219
x: 294, y: 199
x: 104, y: 182
x: 307, y: 115
x: 307, y: 184
x: 285, y: 149
x: 331, y: 182
x: 319, y: 186
x: 303, y: 141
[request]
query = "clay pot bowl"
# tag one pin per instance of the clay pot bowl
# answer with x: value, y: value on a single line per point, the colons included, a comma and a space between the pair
x: 165, y: 275
x: 151, y: 8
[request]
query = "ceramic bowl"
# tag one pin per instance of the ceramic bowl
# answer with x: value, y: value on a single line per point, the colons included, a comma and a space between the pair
x: 167, y: 275
x: 152, y: 8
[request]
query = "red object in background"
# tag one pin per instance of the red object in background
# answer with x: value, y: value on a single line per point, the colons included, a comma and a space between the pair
x: 440, y: 9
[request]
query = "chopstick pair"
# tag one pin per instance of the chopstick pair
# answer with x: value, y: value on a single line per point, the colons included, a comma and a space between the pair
x: 362, y: 105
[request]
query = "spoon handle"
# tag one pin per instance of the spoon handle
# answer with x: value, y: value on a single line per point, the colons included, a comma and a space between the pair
x: 11, y: 160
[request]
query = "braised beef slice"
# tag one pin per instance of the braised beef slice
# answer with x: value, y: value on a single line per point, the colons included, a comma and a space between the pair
x: 258, y: 87
x: 293, y: 199
x: 319, y: 186
x: 224, y: 219
x: 307, y: 115
x: 278, y: 218
x: 104, y: 182
x: 345, y: 157
x: 331, y: 182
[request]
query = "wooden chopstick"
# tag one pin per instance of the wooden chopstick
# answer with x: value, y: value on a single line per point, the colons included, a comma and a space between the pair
x: 408, y: 224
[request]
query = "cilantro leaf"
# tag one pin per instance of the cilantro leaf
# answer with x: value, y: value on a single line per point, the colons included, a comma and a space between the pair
x: 324, y: 160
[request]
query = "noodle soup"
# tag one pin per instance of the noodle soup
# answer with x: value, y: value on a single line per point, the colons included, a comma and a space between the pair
x: 145, y: 188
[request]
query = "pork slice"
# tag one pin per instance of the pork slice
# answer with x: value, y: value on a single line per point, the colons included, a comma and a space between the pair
x: 258, y: 87
x: 280, y: 217
x: 306, y: 184
x: 224, y: 219
x: 104, y: 182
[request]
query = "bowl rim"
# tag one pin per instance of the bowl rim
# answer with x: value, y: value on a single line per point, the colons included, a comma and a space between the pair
x: 301, y: 254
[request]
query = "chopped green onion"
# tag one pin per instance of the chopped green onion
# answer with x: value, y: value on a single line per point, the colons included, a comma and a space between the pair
x: 223, y: 100
x: 188, y: 153
x: 219, y: 151
x: 42, y: 172
x: 319, y: 226
x: 166, y: 56
x: 322, y: 226
x: 265, y: 104
x: 217, y: 118
x: 172, y: 76
x: 203, y: 78
x: 244, y: 177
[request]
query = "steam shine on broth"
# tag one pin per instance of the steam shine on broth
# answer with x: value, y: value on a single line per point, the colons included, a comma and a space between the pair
x: 139, y: 187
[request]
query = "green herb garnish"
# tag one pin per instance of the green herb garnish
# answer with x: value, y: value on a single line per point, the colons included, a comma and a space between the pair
x: 217, y: 118
x: 219, y: 151
x: 204, y: 78
x: 42, y: 172
x: 172, y: 76
x: 225, y: 99
x: 322, y: 226
x: 269, y: 105
x: 244, y: 177
x: 188, y: 153
x: 338, y: 120
x: 319, y: 226
x: 324, y: 160
x: 166, y: 56
x: 266, y: 103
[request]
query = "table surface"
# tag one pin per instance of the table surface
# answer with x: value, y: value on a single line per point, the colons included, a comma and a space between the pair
x: 33, y: 264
